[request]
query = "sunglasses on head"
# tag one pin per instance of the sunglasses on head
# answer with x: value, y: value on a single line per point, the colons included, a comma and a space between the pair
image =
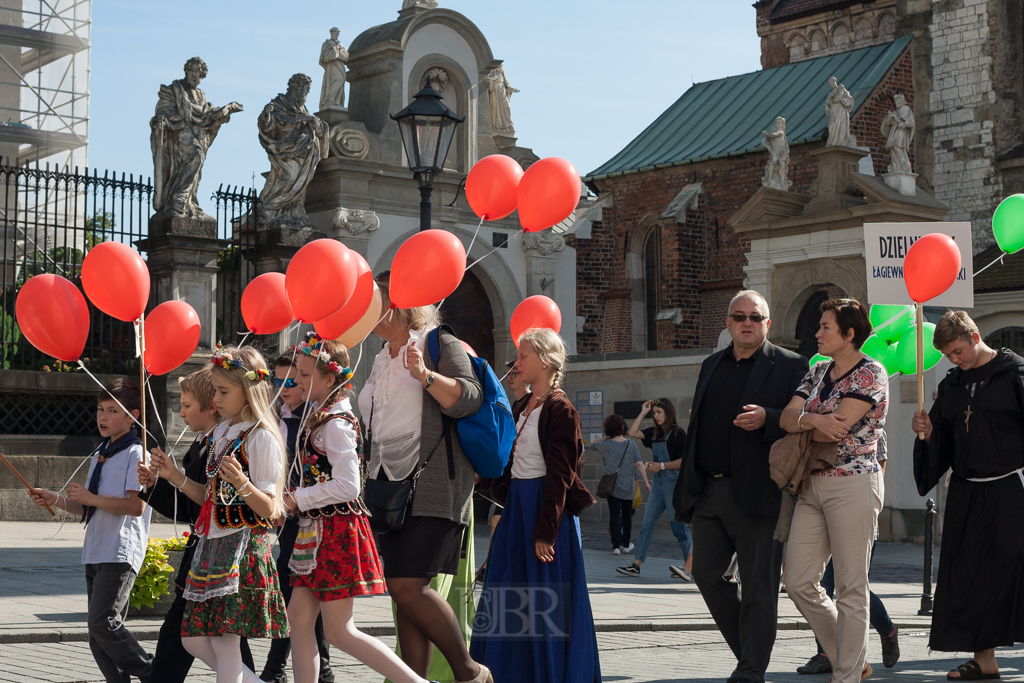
x: 288, y: 383
x: 754, y: 318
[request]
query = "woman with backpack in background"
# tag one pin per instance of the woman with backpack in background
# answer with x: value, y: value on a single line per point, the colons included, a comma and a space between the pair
x: 404, y: 404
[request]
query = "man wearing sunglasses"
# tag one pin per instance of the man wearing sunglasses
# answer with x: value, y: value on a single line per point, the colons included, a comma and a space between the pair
x: 725, y: 489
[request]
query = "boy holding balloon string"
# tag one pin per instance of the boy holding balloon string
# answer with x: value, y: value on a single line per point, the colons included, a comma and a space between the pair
x: 117, y: 522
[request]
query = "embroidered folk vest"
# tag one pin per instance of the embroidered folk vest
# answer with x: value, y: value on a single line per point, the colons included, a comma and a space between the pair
x: 230, y: 510
x: 316, y: 468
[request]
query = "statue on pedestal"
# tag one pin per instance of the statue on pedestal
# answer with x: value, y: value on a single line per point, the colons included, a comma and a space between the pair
x: 499, y: 93
x: 183, y: 129
x: 295, y: 141
x: 333, y: 56
x: 898, y: 129
x: 413, y: 4
x: 838, y: 106
x: 776, y: 171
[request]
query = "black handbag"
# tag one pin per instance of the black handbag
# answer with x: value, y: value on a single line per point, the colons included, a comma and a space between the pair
x: 606, y: 485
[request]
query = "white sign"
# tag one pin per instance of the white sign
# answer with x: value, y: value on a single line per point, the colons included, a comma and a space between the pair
x: 885, y: 247
x: 596, y: 398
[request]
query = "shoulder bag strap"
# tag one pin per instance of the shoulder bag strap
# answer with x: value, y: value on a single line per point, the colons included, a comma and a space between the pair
x: 624, y: 451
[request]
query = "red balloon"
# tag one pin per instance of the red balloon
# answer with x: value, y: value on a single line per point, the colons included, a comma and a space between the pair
x: 492, y: 186
x: 469, y: 349
x: 265, y: 307
x: 320, y: 279
x: 348, y: 315
x: 931, y: 266
x: 172, y: 335
x: 116, y: 280
x: 53, y: 316
x: 548, y: 193
x: 427, y: 268
x: 535, y: 311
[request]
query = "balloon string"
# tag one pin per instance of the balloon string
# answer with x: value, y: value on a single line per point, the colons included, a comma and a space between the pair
x: 114, y: 398
x: 473, y: 241
x: 998, y: 260
x: 170, y: 454
x: 64, y: 513
x: 517, y: 235
x: 359, y: 359
x: 152, y: 399
x: 242, y: 343
x: 893, y: 319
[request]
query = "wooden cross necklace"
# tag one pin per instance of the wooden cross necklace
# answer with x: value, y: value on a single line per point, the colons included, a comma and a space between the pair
x: 967, y: 419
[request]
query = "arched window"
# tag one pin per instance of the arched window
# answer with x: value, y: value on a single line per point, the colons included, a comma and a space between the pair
x: 652, y: 285
x: 1010, y: 337
x: 808, y: 323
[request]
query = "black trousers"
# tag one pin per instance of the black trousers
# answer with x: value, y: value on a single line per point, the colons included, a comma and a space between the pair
x: 748, y: 622
x: 620, y: 521
x: 280, y: 648
x: 118, y: 655
x: 172, y: 661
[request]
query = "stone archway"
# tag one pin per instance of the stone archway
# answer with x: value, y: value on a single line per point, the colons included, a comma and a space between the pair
x: 794, y: 283
x: 468, y: 312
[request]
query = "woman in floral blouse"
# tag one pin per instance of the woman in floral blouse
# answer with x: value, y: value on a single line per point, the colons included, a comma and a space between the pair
x: 844, y: 401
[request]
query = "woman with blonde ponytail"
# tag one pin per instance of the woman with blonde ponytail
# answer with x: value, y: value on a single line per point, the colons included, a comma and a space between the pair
x: 537, y: 542
x: 232, y: 588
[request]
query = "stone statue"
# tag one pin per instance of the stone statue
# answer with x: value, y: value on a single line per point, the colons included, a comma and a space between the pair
x: 295, y: 141
x: 898, y: 129
x: 499, y: 93
x: 838, y: 106
x: 184, y: 127
x: 333, y: 56
x: 776, y: 172
x: 425, y: 4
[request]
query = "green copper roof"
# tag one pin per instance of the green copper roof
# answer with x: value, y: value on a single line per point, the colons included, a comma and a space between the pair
x: 725, y: 117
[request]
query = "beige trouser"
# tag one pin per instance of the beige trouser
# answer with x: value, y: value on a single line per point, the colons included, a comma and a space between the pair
x: 835, y: 517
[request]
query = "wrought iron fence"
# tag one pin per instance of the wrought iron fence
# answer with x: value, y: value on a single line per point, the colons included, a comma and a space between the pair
x: 50, y: 220
x: 236, y: 211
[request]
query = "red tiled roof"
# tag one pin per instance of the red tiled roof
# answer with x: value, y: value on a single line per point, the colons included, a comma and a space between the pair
x: 791, y: 9
x: 1002, y: 277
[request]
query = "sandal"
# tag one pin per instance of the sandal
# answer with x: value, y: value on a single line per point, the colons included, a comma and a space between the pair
x: 971, y: 671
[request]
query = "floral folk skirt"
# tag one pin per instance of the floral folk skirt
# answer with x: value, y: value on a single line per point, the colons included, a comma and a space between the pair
x: 347, y: 563
x: 255, y: 610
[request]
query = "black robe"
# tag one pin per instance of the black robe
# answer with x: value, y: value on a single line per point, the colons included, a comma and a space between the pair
x: 978, y: 431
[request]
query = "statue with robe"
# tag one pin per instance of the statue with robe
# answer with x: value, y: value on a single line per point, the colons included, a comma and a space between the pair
x: 898, y: 129
x: 838, y: 106
x: 183, y: 128
x: 776, y: 171
x: 499, y: 92
x: 295, y: 141
x: 333, y: 56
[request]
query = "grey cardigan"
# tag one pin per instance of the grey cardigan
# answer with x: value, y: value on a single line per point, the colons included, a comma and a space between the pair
x: 436, y: 494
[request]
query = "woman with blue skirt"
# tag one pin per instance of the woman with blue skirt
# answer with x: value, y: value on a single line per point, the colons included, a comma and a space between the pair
x: 535, y: 602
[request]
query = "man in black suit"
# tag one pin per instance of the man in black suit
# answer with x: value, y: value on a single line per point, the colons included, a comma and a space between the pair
x: 726, y: 491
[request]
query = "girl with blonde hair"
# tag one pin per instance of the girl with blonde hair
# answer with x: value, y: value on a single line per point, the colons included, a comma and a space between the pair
x: 537, y: 542
x: 232, y: 588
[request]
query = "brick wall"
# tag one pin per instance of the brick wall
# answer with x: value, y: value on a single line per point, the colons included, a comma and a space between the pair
x: 702, y: 257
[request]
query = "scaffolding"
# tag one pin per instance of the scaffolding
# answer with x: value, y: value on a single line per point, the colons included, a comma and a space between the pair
x: 44, y: 82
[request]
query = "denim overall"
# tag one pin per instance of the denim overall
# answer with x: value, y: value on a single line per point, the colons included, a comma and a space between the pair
x: 660, y: 500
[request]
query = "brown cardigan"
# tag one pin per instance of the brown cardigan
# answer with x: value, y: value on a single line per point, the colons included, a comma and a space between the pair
x: 562, y: 445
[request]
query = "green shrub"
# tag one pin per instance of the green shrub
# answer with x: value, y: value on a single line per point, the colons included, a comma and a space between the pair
x: 154, y: 579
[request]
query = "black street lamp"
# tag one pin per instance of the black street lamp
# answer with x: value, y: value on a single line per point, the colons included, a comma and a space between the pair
x: 427, y: 127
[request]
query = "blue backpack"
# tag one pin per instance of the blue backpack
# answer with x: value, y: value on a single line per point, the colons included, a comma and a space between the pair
x: 486, y: 436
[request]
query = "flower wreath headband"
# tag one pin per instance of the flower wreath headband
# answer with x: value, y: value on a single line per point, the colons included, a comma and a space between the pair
x: 313, y: 346
x: 223, y: 359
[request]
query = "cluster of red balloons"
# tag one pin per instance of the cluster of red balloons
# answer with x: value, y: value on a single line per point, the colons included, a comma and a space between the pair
x: 54, y: 316
x: 546, y: 194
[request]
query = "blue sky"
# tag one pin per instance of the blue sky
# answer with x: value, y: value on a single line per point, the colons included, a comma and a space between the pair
x: 592, y: 74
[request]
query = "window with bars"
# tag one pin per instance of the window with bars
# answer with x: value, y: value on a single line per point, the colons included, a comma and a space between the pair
x: 46, y: 414
x: 652, y: 285
x: 1010, y: 337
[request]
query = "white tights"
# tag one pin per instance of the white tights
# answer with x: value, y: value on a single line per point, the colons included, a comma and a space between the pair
x: 342, y: 633
x: 223, y: 654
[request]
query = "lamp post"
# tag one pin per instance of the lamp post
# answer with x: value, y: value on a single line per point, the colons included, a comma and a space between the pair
x: 427, y: 127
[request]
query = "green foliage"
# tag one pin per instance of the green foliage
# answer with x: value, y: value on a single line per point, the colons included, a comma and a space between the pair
x: 154, y: 579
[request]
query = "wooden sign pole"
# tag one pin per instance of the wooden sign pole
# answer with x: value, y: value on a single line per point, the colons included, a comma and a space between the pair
x: 142, y: 386
x: 920, y: 363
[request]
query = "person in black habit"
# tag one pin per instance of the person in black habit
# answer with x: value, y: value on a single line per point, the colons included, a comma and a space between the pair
x: 172, y: 661
x: 976, y: 427
x: 726, y: 491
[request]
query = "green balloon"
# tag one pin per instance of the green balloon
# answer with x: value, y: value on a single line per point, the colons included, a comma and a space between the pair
x: 1008, y: 224
x: 901, y: 318
x: 891, y: 362
x: 907, y: 357
x: 875, y: 347
x: 818, y: 358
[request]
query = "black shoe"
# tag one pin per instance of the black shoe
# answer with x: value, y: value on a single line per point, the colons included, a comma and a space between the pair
x: 818, y: 664
x: 269, y: 677
x: 629, y: 570
x: 326, y: 674
x: 891, y: 648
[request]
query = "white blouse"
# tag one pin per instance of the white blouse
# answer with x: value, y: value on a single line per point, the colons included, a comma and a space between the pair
x: 391, y: 405
x: 339, y: 440
x: 528, y: 460
x: 265, y: 460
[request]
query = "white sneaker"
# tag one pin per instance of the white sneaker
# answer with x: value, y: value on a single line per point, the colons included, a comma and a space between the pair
x: 616, y: 551
x: 626, y: 551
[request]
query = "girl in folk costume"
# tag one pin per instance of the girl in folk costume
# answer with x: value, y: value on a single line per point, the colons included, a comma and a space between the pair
x: 232, y: 588
x: 335, y: 557
x: 536, y: 550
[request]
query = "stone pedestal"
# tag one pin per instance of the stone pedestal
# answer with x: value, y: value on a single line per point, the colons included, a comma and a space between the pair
x: 836, y: 189
x: 333, y: 114
x: 504, y: 142
x: 904, y: 183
